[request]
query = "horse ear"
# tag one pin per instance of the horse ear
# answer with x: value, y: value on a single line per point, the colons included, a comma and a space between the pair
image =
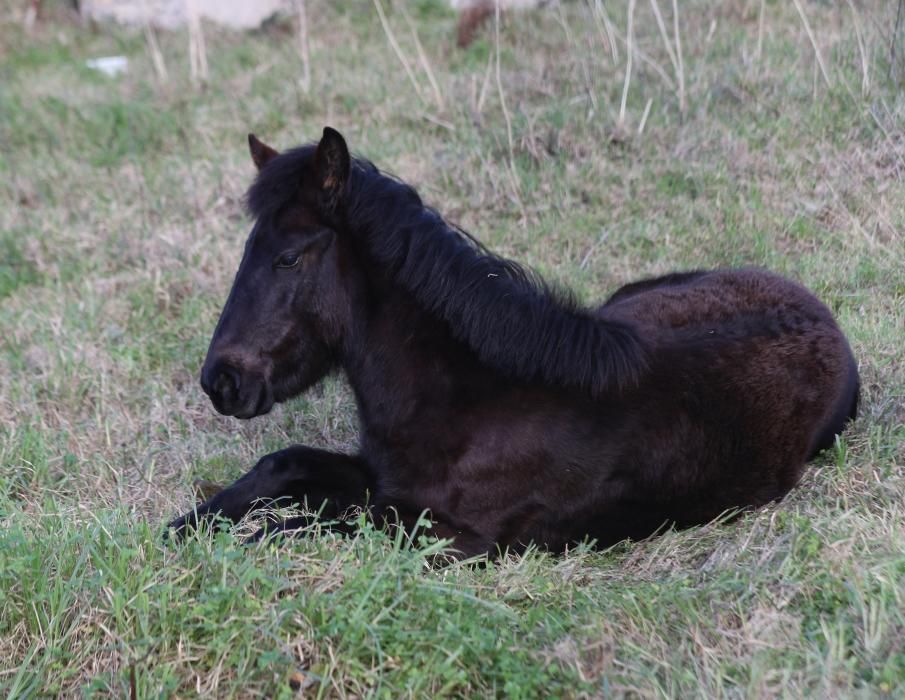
x: 261, y: 153
x: 331, y: 166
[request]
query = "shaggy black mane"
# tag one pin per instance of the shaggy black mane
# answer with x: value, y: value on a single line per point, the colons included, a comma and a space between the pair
x: 507, y: 314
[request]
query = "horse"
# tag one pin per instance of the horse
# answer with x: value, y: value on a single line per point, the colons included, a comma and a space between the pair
x: 493, y: 404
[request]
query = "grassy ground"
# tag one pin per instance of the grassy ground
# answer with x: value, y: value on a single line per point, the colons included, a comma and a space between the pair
x: 120, y: 228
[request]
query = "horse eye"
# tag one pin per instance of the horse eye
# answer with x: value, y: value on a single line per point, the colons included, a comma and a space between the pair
x: 288, y: 260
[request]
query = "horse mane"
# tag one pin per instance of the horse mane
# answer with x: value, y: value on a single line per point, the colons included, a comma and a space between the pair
x: 507, y: 314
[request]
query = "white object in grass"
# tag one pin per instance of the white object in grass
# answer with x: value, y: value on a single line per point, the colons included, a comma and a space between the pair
x: 109, y: 65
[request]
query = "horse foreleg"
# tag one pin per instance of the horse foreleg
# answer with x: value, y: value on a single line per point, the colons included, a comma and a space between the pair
x: 292, y: 526
x: 464, y: 543
x: 292, y: 475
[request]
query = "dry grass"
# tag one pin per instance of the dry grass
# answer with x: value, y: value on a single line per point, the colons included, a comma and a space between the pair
x: 120, y: 227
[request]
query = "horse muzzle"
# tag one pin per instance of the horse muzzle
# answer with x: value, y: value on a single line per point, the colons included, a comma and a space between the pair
x: 234, y: 391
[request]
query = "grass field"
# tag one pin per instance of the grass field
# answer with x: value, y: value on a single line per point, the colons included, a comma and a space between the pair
x: 121, y: 225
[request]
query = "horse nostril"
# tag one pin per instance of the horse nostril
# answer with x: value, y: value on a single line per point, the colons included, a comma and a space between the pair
x: 221, y: 383
x: 227, y: 384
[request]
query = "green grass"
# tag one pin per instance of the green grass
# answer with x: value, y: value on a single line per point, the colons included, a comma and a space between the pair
x: 121, y: 225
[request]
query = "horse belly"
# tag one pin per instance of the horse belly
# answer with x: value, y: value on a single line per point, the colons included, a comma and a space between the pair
x: 531, y: 459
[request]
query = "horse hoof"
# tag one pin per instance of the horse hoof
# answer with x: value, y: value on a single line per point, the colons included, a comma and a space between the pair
x: 175, y: 530
x: 179, y: 528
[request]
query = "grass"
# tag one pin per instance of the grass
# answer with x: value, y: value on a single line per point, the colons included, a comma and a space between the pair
x: 121, y: 225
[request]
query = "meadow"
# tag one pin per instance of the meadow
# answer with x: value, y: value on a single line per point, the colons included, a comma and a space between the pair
x: 596, y: 142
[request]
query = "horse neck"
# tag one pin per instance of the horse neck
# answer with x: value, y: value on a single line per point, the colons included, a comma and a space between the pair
x: 397, y: 352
